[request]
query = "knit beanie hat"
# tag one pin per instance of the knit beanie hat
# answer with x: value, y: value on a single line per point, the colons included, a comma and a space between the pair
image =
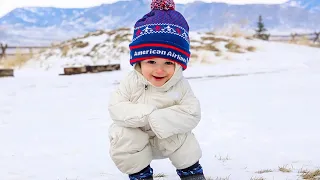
x: 161, y: 33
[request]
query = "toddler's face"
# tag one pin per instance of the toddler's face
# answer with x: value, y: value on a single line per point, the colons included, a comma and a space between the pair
x: 157, y: 71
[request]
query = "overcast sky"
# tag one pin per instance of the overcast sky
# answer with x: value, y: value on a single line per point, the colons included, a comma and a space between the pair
x: 8, y: 5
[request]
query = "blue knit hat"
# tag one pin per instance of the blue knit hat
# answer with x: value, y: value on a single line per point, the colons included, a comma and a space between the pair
x: 162, y: 33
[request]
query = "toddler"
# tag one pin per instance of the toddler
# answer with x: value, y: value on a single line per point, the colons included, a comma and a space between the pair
x: 154, y: 109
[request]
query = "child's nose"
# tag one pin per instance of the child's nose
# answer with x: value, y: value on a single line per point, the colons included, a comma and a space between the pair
x: 160, y: 70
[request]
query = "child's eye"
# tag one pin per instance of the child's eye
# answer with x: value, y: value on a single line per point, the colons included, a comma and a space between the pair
x: 151, y: 62
x: 169, y: 63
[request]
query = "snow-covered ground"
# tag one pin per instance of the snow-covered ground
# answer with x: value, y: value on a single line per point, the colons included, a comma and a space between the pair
x: 260, y: 111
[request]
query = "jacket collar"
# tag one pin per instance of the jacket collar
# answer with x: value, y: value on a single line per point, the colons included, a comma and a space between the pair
x: 177, y: 76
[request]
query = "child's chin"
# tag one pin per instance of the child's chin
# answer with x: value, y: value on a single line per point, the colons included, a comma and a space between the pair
x: 157, y: 84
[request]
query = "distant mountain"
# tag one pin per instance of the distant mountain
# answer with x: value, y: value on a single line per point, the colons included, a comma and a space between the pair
x: 297, y: 14
x: 312, y: 5
x: 104, y: 16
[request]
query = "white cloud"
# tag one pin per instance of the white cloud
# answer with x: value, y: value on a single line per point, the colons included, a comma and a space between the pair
x: 9, y: 5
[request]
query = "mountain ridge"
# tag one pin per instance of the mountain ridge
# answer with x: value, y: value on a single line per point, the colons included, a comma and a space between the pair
x: 294, y: 14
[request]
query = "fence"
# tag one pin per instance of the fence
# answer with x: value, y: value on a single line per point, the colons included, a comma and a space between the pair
x: 13, y: 50
x: 314, y: 37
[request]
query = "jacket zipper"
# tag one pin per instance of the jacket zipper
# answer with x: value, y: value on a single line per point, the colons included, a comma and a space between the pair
x: 145, y: 93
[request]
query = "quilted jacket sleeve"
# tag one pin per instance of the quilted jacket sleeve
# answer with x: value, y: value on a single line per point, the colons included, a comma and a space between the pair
x: 177, y: 119
x: 125, y: 113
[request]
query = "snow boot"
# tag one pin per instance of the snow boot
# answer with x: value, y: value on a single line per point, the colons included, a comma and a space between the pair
x: 144, y: 174
x: 194, y: 172
x: 194, y: 177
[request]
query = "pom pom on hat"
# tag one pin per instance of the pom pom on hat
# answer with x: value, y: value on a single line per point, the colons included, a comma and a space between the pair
x: 162, y: 5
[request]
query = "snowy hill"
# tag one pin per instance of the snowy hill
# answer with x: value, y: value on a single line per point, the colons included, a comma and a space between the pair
x: 100, y: 47
x: 105, y: 47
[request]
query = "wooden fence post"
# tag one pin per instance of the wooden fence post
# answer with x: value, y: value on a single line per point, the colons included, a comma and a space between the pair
x: 1, y: 52
x: 293, y: 37
x: 317, y: 37
x: 3, y: 48
x: 268, y: 37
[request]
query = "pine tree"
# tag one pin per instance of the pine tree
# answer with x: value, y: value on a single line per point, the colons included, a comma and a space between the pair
x: 260, y: 32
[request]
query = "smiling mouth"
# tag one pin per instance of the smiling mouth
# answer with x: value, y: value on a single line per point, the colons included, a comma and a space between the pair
x: 158, y: 78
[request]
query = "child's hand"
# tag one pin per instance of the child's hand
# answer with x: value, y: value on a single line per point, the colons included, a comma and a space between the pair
x: 135, y: 122
x: 128, y: 114
x: 177, y: 119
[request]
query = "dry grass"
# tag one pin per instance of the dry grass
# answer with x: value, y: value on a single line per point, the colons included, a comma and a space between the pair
x: 123, y: 29
x: 112, y: 32
x: 194, y: 56
x: 304, y: 41
x: 251, y: 49
x: 220, y: 158
x: 160, y: 175
x: 264, y: 171
x: 209, y: 47
x: 234, y: 30
x: 303, y: 171
x: 285, y: 169
x: 87, y: 35
x: 192, y: 47
x: 213, y: 39
x: 233, y: 47
x: 42, y: 50
x: 80, y: 44
x: 238, y: 34
x: 218, y: 54
x: 219, y: 178
x: 98, y: 33
x: 95, y: 33
x: 315, y: 45
x: 194, y: 41
x: 257, y: 178
x: 64, y: 50
x: 120, y: 38
x: 206, y: 58
x: 249, y: 38
x: 311, y: 175
x: 16, y: 60
x: 203, y: 57
x: 210, y: 33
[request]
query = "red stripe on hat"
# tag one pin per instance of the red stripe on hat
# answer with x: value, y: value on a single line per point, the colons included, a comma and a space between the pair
x: 151, y: 57
x: 160, y: 45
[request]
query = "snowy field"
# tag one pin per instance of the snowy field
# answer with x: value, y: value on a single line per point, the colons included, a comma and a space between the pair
x: 259, y: 112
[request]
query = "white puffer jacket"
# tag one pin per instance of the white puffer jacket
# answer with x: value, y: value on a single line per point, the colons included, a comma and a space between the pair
x: 166, y: 114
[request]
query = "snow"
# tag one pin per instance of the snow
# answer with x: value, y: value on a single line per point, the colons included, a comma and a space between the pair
x: 27, y: 19
x: 36, y: 10
x: 260, y: 110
